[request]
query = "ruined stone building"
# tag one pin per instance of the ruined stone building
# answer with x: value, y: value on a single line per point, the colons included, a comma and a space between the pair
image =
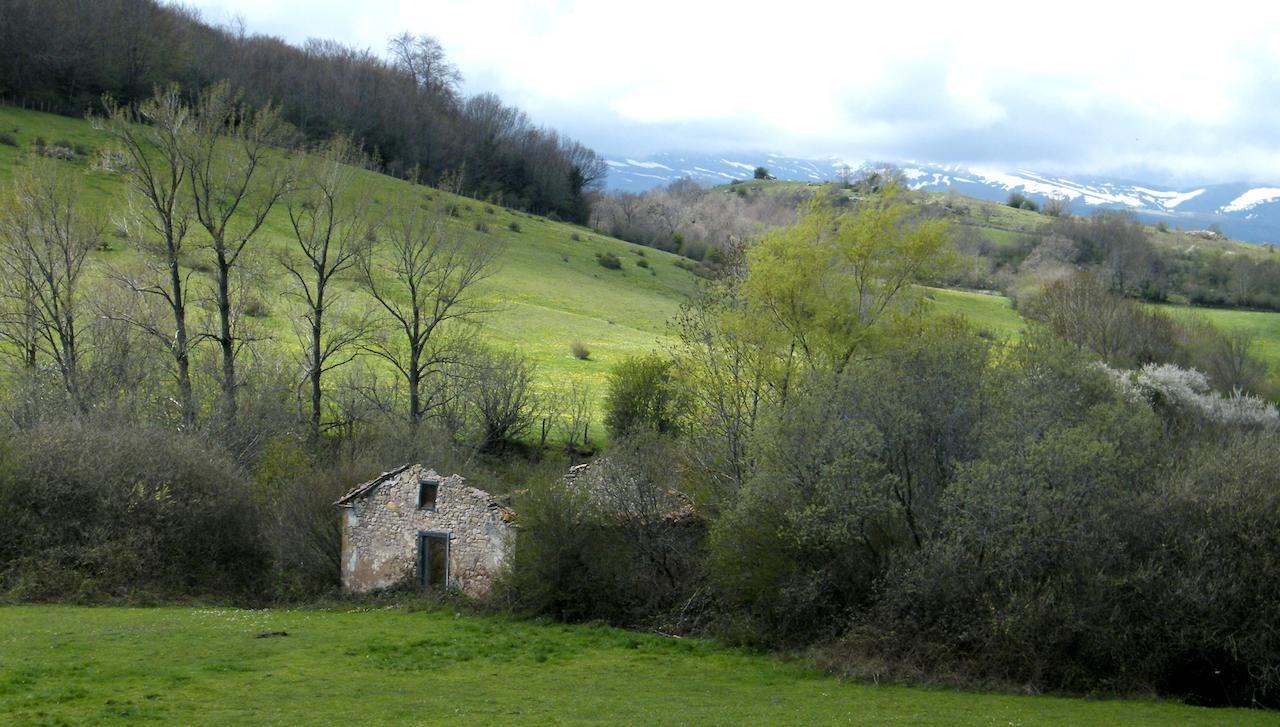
x: 413, y: 525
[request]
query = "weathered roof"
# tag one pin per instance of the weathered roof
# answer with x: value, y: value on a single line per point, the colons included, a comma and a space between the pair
x: 363, y: 489
x: 592, y: 480
x: 505, y: 513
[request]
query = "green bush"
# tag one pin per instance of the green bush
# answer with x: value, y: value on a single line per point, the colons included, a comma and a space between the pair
x: 609, y: 548
x: 96, y: 512
x: 609, y: 260
x: 851, y: 475
x: 513, y: 226
x: 643, y: 397
x: 580, y: 350
x: 8, y: 139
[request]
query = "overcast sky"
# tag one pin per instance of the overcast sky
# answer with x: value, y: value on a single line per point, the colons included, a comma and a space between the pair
x: 1162, y: 93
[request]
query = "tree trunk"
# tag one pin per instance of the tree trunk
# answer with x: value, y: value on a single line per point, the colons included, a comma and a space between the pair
x: 415, y: 383
x: 225, y: 340
x: 317, y: 355
x: 186, y: 400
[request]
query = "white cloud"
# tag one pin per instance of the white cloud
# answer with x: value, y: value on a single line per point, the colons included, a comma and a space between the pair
x: 1187, y: 90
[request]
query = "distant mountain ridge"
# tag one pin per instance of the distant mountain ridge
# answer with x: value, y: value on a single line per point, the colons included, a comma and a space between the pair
x: 1247, y: 212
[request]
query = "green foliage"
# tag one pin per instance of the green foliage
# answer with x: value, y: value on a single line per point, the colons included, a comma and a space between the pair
x: 801, y: 280
x: 565, y: 562
x: 8, y: 139
x: 613, y: 543
x: 513, y: 226
x: 579, y: 350
x: 609, y: 261
x: 642, y: 397
x: 760, y: 173
x: 851, y: 473
x: 1018, y: 200
x: 1120, y: 331
x: 1013, y: 587
x: 95, y: 513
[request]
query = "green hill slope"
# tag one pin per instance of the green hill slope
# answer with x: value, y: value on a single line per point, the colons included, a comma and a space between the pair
x: 548, y: 291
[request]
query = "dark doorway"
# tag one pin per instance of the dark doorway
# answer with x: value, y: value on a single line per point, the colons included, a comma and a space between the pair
x: 433, y: 559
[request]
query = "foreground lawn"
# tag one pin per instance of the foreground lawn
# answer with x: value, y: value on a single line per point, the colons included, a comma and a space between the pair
x: 64, y: 665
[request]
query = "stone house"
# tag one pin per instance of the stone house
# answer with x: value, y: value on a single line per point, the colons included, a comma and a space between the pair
x: 411, y: 525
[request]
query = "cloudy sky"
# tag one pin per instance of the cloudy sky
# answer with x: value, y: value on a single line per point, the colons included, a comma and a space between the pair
x: 1162, y: 93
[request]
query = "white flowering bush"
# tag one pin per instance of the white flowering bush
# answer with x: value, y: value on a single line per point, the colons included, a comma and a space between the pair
x: 1186, y: 392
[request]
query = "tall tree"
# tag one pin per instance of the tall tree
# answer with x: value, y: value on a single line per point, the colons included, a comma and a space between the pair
x: 422, y: 58
x: 152, y: 137
x: 330, y: 217
x: 44, y: 241
x: 233, y: 188
x: 831, y: 283
x: 424, y: 278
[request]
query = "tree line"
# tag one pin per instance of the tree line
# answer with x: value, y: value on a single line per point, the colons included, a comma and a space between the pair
x: 1118, y: 249
x: 407, y: 108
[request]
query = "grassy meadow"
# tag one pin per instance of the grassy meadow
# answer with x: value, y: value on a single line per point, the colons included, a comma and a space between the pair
x: 207, y: 666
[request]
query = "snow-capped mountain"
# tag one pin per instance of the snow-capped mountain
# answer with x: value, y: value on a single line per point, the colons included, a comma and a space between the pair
x: 1243, y: 211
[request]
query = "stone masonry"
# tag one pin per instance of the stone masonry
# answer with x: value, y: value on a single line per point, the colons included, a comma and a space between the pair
x: 381, y: 521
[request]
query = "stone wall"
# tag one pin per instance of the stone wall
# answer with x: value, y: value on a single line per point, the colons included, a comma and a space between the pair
x: 380, y: 533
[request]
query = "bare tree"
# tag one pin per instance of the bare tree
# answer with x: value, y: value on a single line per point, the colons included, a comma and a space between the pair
x: 575, y: 424
x: 424, y: 279
x: 233, y: 188
x: 329, y: 215
x: 422, y: 58
x: 44, y: 242
x: 500, y: 391
x: 152, y: 136
x: 19, y: 320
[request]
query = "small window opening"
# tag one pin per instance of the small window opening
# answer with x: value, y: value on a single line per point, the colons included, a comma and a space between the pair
x: 427, y: 490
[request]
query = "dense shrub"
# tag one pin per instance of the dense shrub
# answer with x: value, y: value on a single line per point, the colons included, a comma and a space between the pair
x: 609, y: 260
x: 1018, y: 200
x: 1121, y: 331
x: 95, y: 512
x: 850, y: 475
x: 579, y: 350
x: 616, y: 543
x: 642, y: 397
x: 1153, y: 583
x: 8, y: 139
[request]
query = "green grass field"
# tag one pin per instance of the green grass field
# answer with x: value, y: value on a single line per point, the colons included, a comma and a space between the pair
x: 204, y: 666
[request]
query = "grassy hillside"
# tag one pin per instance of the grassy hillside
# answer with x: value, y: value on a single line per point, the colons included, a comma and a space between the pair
x: 994, y: 314
x: 548, y: 291
x: 62, y: 665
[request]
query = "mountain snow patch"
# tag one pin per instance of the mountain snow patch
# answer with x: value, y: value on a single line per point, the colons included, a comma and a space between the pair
x: 1252, y: 198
